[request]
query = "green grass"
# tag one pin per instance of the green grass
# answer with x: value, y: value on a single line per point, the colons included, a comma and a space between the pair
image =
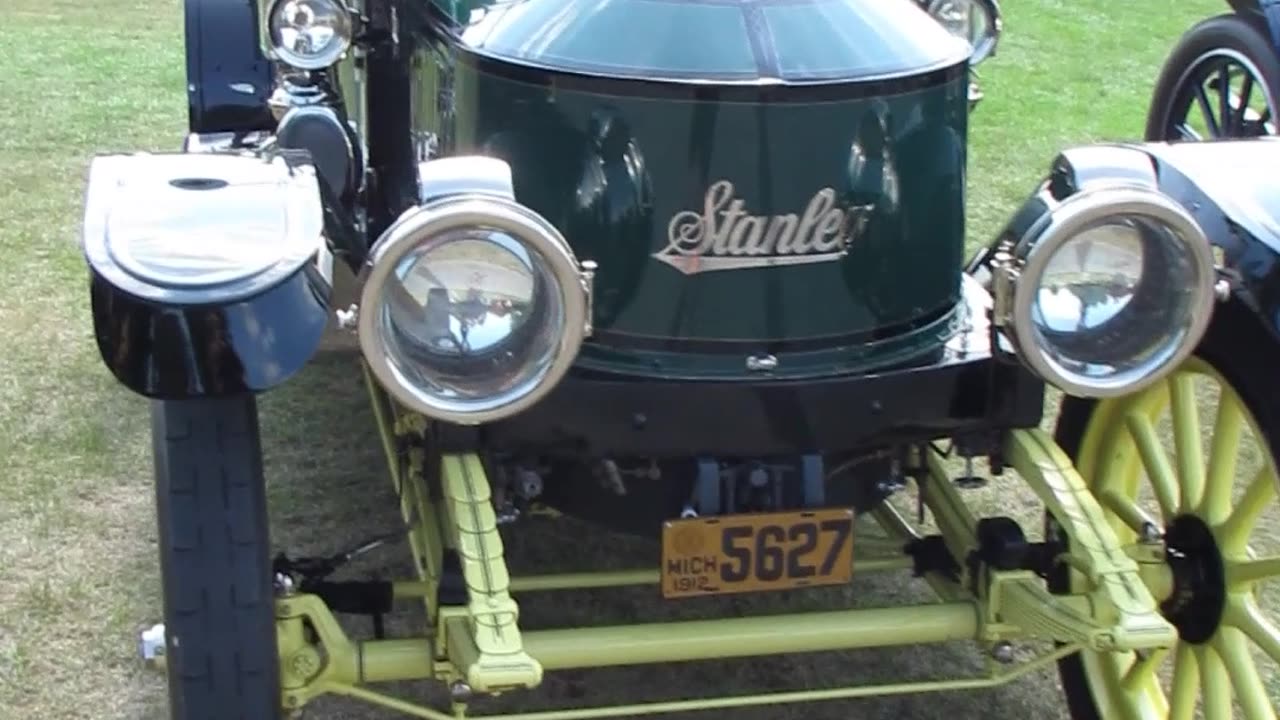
x: 78, y: 570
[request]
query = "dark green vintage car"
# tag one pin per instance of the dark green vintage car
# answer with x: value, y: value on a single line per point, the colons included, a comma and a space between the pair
x: 693, y: 270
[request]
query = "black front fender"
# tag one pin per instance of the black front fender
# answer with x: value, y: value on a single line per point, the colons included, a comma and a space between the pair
x: 176, y: 352
x: 210, y: 274
x: 1233, y: 190
x: 228, y: 78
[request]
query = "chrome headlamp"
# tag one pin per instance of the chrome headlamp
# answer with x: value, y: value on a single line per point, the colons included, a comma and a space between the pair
x: 1108, y: 291
x: 977, y: 21
x: 473, y: 308
x: 308, y: 34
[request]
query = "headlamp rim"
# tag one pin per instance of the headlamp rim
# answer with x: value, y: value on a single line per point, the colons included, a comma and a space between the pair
x: 418, y: 227
x: 345, y: 33
x: 1063, y: 223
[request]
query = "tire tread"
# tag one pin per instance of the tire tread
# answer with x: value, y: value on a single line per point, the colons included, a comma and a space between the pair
x: 215, y: 561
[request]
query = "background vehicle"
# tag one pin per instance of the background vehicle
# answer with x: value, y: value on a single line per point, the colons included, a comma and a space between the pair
x: 818, y: 417
x: 1222, y: 80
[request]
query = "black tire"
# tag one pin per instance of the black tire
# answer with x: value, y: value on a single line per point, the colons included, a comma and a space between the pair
x: 1250, y: 373
x: 1240, y: 35
x: 215, y: 560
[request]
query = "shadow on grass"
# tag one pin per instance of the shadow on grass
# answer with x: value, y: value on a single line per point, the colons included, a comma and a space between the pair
x: 328, y: 490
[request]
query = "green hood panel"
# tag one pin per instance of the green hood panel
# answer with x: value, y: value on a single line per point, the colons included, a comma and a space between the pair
x: 741, y: 41
x: 795, y: 188
x: 823, y: 232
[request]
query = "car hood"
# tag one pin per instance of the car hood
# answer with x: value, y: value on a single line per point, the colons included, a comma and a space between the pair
x: 780, y: 41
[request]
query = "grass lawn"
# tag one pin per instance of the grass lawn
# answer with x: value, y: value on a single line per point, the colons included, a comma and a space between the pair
x: 78, y: 565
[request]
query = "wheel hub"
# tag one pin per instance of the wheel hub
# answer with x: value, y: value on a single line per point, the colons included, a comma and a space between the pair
x: 1199, y: 582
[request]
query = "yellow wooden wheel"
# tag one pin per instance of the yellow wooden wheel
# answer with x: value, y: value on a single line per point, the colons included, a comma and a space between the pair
x: 1186, y: 470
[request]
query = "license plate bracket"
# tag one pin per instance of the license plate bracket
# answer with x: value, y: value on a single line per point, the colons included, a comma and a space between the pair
x: 756, y: 552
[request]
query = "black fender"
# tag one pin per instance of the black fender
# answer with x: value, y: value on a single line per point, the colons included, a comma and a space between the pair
x: 228, y: 78
x: 1232, y: 190
x: 209, y: 274
x: 178, y: 352
x: 1266, y: 11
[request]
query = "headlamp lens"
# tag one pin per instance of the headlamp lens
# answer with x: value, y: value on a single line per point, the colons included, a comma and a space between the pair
x: 310, y: 34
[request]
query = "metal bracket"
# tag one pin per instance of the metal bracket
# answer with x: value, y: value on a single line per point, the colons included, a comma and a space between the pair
x: 334, y: 663
x: 1117, y: 612
x: 481, y: 639
x: 1125, y: 615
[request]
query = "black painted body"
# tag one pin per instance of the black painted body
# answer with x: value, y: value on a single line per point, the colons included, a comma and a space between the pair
x: 228, y: 78
x: 1228, y: 189
x: 593, y: 411
x: 963, y: 391
x: 176, y: 352
x: 1267, y: 11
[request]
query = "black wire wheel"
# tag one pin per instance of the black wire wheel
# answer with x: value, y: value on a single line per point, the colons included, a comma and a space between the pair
x: 1222, y: 80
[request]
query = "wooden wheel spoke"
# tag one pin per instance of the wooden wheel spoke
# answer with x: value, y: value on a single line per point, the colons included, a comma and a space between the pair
x: 1234, y: 532
x: 1216, y: 684
x: 1128, y: 511
x: 1156, y: 463
x: 1189, y: 474
x: 1245, y: 616
x: 1222, y: 458
x: 1206, y: 111
x: 1246, y: 94
x: 1244, y: 573
x: 1250, y: 691
x: 1140, y: 675
x: 1185, y: 688
x: 1224, y: 98
x: 1186, y: 437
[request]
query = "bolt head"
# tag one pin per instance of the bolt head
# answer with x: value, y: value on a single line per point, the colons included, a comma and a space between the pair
x: 1002, y: 652
x: 283, y: 585
x: 1151, y: 533
x: 459, y: 691
x: 1222, y: 290
x: 347, y: 318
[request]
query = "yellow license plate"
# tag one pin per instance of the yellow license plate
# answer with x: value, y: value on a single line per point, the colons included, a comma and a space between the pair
x: 752, y: 553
